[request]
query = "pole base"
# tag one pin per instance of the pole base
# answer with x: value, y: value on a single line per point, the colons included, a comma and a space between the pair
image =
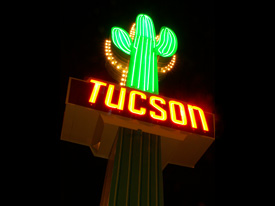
x: 134, y: 174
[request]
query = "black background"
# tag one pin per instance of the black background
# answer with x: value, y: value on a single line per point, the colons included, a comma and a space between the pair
x: 84, y: 25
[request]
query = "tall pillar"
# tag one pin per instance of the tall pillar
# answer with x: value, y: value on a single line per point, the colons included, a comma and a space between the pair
x: 135, y: 170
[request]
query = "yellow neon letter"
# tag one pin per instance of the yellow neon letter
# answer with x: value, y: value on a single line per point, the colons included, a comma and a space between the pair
x: 131, y: 105
x: 193, y: 120
x: 163, y: 115
x: 109, y: 97
x: 183, y: 120
x: 95, y: 91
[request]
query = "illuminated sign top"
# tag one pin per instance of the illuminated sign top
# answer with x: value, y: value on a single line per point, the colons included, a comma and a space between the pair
x: 142, y: 71
x: 143, y: 106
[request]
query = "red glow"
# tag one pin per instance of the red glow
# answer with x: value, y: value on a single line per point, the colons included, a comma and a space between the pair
x: 163, y: 115
x: 109, y: 97
x: 95, y: 91
x: 193, y: 120
x: 142, y: 106
x: 183, y: 120
x: 131, y: 105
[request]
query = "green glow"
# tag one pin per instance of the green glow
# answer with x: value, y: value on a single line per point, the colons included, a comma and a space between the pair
x: 143, y: 70
x: 121, y: 39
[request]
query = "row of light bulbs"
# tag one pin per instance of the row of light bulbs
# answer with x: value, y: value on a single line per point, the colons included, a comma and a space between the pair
x: 133, y: 31
x: 109, y: 54
x: 113, y: 61
x: 169, y: 66
x: 124, y: 77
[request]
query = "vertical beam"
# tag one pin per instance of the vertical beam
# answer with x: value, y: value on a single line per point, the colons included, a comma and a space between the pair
x: 136, y: 172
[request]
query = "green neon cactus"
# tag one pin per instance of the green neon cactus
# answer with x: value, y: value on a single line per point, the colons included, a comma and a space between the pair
x: 143, y: 51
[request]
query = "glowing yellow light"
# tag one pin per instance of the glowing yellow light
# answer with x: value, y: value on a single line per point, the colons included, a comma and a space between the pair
x: 109, y: 97
x: 183, y: 120
x: 193, y: 120
x: 131, y: 105
x: 163, y: 115
x: 95, y: 91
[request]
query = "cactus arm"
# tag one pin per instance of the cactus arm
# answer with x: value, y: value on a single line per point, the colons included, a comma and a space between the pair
x: 167, y: 44
x: 121, y: 39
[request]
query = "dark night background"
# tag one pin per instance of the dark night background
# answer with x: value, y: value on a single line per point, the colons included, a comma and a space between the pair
x: 84, y: 25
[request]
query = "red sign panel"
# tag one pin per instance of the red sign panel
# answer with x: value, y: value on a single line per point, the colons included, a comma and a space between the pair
x: 143, y: 106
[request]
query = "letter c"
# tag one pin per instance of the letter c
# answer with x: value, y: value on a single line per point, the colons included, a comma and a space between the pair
x: 132, y: 99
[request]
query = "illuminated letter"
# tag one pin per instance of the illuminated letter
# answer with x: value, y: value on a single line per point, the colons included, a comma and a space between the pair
x: 183, y: 120
x: 109, y: 97
x: 193, y: 120
x: 132, y: 99
x: 163, y: 115
x: 95, y: 91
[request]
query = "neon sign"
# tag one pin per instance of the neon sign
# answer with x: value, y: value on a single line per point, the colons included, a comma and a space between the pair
x: 143, y: 106
x: 143, y: 70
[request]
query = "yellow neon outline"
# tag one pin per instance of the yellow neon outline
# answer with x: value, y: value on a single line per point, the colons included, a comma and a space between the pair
x: 109, y: 97
x: 163, y: 115
x: 193, y: 119
x: 183, y: 120
x: 131, y: 104
x: 95, y: 91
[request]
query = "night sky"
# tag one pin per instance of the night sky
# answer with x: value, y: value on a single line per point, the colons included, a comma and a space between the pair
x: 84, y: 25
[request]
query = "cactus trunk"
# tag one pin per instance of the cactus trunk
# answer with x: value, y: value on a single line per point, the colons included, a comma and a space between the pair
x: 142, y: 72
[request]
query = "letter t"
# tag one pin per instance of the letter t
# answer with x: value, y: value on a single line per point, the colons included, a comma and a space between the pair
x: 95, y: 91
